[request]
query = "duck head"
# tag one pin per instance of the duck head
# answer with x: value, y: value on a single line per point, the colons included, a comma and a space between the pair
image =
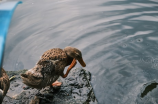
x: 38, y: 75
x: 75, y: 53
x: 33, y: 76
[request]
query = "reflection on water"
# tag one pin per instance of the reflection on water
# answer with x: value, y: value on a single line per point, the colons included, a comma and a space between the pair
x: 118, y: 39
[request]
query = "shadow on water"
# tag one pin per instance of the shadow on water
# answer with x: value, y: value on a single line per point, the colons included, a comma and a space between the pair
x: 118, y: 39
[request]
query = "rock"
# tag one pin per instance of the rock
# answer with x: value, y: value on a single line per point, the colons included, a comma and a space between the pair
x: 75, y: 89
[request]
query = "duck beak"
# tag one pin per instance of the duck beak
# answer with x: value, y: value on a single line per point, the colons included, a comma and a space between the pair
x: 24, y: 76
x: 82, y: 62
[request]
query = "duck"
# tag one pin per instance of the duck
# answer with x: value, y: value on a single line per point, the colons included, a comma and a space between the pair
x: 51, y: 65
x: 4, y: 84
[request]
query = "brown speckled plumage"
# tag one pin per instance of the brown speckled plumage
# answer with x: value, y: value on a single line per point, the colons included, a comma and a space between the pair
x: 50, y: 66
x: 54, y: 54
x: 58, y: 55
x: 4, y: 84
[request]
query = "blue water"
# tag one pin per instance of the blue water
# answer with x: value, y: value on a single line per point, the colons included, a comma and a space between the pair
x: 118, y: 40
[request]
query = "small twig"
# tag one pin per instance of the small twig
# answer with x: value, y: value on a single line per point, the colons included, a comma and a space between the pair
x: 12, y: 77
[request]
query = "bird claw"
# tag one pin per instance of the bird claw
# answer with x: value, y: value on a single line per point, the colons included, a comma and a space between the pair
x: 56, y: 84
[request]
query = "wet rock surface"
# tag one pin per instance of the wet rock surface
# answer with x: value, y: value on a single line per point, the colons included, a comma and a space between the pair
x: 148, y: 87
x: 75, y: 89
x: 148, y: 93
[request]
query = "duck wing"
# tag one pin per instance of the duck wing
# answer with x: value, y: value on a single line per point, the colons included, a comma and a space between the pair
x: 57, y: 57
x: 54, y: 54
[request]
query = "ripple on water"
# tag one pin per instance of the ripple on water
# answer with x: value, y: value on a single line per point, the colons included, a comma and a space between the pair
x: 147, y: 59
x: 124, y: 45
x: 139, y: 40
x: 115, y: 30
x: 150, y: 27
x: 155, y: 64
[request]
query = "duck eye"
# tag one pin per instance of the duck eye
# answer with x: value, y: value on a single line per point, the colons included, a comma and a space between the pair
x: 78, y: 56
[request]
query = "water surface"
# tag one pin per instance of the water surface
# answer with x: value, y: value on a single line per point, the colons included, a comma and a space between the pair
x: 118, y: 40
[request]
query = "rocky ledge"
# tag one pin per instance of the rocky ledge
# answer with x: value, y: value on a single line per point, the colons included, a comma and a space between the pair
x: 75, y: 89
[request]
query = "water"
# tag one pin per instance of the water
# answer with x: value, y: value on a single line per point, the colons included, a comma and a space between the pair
x: 118, y: 39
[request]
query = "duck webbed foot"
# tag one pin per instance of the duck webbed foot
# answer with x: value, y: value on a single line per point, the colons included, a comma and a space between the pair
x: 70, y: 67
x: 56, y: 84
x: 55, y: 87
